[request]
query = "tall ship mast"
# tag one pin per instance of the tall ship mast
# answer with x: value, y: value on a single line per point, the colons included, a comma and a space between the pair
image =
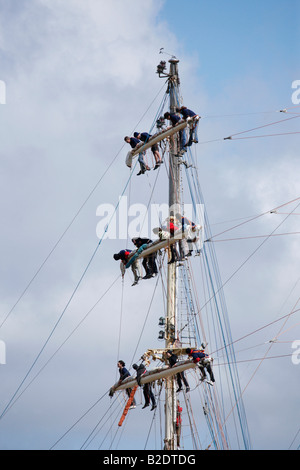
x: 174, y: 204
x: 170, y: 139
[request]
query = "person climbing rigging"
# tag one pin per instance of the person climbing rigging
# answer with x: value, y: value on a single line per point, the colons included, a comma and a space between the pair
x: 172, y: 228
x: 123, y: 256
x: 124, y: 373
x: 133, y: 141
x: 180, y: 377
x: 174, y: 118
x: 204, y: 362
x: 149, y: 262
x: 148, y: 394
x: 192, y: 234
x: 144, y: 137
x: 178, y: 423
x: 186, y: 113
x: 183, y: 244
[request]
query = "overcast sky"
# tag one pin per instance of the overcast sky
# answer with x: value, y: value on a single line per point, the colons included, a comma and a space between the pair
x: 79, y: 76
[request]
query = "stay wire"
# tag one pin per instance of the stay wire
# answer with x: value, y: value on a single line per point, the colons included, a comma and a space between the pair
x: 121, y: 316
x: 247, y: 259
x: 74, y: 218
x: 82, y: 416
x: 67, y: 305
x: 86, y: 444
x: 253, y: 236
x: 152, y: 421
x: 254, y: 218
x: 63, y: 343
x: 146, y: 317
x: 284, y: 110
x: 297, y: 433
x: 60, y: 238
x: 261, y: 361
x: 121, y: 312
x: 260, y: 127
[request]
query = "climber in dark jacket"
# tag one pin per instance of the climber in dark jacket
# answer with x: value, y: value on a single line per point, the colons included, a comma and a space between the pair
x: 148, y: 394
x: 203, y: 360
x: 172, y: 359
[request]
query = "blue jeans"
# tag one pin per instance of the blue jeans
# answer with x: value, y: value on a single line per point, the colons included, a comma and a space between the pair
x: 142, y: 161
x: 183, y: 139
x: 193, y: 134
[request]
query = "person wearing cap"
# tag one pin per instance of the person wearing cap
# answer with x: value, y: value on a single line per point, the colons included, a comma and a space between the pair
x: 180, y: 377
x: 204, y: 362
x: 144, y: 137
x: 186, y: 113
x: 123, y: 256
x: 148, y: 394
x: 133, y: 141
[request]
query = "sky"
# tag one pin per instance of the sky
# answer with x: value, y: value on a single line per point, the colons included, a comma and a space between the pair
x: 78, y: 77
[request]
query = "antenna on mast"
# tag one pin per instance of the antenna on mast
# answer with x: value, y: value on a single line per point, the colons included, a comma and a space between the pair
x: 162, y: 51
x: 162, y: 65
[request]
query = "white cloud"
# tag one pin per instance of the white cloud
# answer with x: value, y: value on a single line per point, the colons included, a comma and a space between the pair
x: 79, y: 76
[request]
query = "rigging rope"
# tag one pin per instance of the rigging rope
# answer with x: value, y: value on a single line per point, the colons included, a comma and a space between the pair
x: 67, y: 305
x: 265, y: 135
x: 81, y: 417
x: 250, y: 256
x: 224, y: 284
x: 75, y: 216
x: 106, y: 229
x: 261, y: 361
x: 253, y: 236
x: 256, y: 217
x: 64, y: 342
x: 220, y: 306
x: 261, y: 127
x: 121, y: 316
x: 150, y: 305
